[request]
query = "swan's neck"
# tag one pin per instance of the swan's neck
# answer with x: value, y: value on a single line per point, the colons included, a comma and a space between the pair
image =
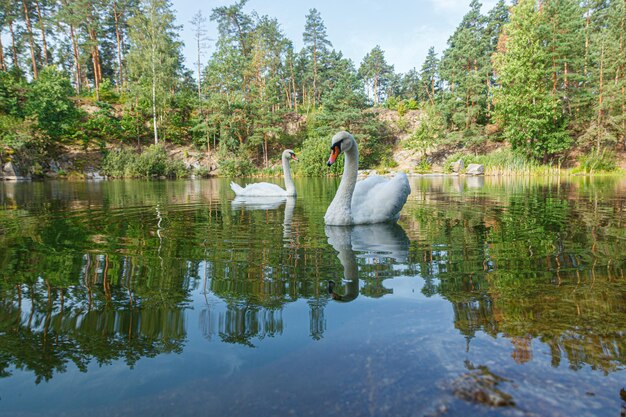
x: 340, y: 210
x: 289, y: 186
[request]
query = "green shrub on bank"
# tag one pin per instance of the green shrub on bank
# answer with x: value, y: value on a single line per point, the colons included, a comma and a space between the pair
x: 430, y: 131
x: 236, y: 167
x: 604, y: 161
x: 501, y: 161
x: 313, y: 156
x: 153, y: 162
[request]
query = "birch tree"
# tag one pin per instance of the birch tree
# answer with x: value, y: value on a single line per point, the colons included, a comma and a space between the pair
x: 154, y: 59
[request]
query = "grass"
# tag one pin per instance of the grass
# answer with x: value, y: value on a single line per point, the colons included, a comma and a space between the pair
x: 503, y: 162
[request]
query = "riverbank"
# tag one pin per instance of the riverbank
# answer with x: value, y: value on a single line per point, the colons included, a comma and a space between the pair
x: 170, y: 161
x: 397, y: 152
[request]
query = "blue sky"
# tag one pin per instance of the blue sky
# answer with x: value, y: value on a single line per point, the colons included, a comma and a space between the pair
x: 404, y: 29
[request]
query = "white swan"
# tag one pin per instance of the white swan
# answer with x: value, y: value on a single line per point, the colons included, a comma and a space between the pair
x: 266, y: 189
x: 373, y: 200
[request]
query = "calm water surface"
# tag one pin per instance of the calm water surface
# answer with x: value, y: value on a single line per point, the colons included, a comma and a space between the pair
x: 495, y: 297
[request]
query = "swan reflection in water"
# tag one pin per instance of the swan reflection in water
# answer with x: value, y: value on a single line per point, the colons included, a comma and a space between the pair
x: 373, y: 241
x: 259, y: 203
x: 268, y: 203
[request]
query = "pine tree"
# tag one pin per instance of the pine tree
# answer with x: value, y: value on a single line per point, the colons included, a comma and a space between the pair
x: 528, y: 112
x: 428, y: 75
x: 376, y: 73
x: 316, y: 46
x: 464, y: 67
x: 562, y: 26
x: 607, y: 56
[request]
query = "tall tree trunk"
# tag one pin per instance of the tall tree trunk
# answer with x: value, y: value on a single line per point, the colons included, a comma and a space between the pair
x: 16, y: 62
x: 29, y: 27
x: 376, y: 90
x: 118, y: 39
x: 623, y: 67
x: 154, y: 112
x: 600, y: 92
x: 76, y: 54
x: 566, y: 87
x: 95, y: 57
x: 314, y: 70
x: 293, y: 87
x: 554, y: 77
x: 3, y: 66
x: 43, y: 32
x: 587, y: 22
x: 488, y: 97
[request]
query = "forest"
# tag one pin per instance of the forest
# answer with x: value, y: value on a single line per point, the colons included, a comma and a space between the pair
x: 542, y: 82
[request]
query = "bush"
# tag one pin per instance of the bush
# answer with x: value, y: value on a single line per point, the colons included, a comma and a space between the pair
x: 202, y: 172
x: 236, y: 167
x: 313, y: 157
x: 102, y: 125
x: 501, y: 161
x: 430, y: 131
x: 48, y: 101
x: 604, y: 161
x: 153, y: 162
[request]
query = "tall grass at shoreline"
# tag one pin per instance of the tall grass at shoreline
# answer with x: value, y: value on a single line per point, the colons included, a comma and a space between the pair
x: 505, y: 162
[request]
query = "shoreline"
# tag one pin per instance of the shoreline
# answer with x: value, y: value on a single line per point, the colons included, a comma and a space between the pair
x: 361, y: 174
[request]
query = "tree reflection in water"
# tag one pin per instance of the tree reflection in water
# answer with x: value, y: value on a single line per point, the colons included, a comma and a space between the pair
x: 544, y: 262
x: 106, y: 272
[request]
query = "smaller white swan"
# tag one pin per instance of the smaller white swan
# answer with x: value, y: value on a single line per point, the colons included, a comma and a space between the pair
x: 266, y: 189
x: 373, y: 200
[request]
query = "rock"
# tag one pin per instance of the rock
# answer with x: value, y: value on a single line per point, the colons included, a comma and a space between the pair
x: 475, y: 169
x: 458, y: 166
x: 11, y: 172
x: 54, y: 166
x: 480, y: 386
x: 94, y: 175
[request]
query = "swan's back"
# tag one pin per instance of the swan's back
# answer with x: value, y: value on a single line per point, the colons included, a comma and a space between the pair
x: 259, y: 189
x: 377, y: 199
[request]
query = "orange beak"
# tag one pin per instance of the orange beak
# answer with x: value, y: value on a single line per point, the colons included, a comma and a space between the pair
x: 334, y: 153
x: 294, y: 157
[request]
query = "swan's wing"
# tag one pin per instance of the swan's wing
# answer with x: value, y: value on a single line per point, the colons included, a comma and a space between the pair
x: 363, y: 187
x: 379, y: 199
x: 261, y: 189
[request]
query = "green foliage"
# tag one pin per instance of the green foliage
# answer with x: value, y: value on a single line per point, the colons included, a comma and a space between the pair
x: 49, y: 103
x: 153, y: 162
x: 103, y: 126
x: 202, y: 172
x: 560, y: 77
x: 530, y: 114
x: 15, y: 132
x: 423, y: 166
x: 107, y: 92
x: 236, y: 167
x: 154, y: 61
x: 430, y: 131
x: 12, y: 92
x: 313, y: 156
x: 604, y: 161
x: 502, y: 162
x: 376, y: 73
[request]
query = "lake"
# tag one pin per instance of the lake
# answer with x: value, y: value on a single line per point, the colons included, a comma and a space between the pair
x: 490, y: 297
